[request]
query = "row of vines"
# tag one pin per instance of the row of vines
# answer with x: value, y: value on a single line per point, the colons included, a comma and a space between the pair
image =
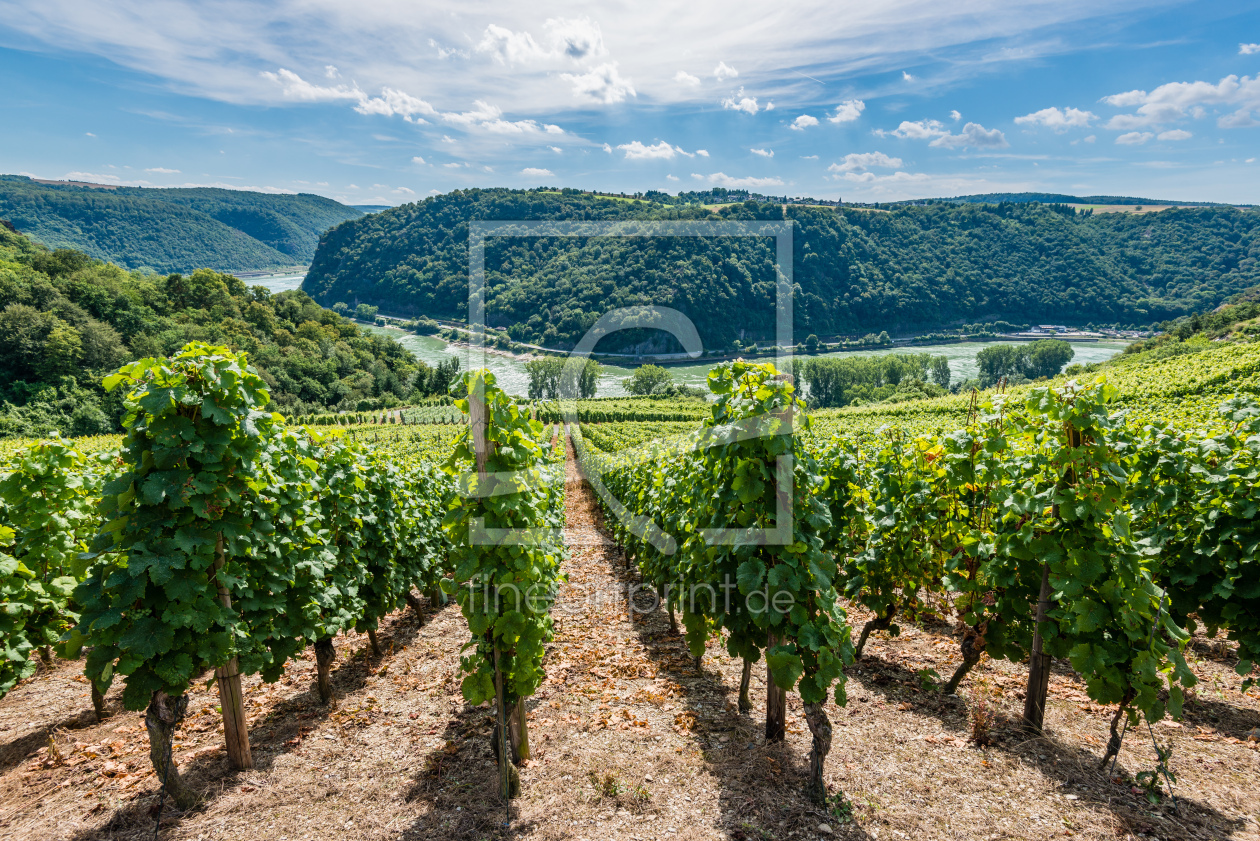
x: 220, y: 538
x: 1051, y: 526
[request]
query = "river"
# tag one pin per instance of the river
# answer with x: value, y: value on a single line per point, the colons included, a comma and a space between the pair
x: 511, y: 376
x: 275, y: 283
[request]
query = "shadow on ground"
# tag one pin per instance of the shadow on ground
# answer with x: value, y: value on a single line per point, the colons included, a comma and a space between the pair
x: 281, y: 731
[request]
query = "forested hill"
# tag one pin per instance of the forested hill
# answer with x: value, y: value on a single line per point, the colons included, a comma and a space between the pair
x: 67, y: 320
x: 857, y: 271
x: 172, y: 229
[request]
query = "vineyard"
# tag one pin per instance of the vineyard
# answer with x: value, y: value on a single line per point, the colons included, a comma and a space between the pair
x: 737, y: 618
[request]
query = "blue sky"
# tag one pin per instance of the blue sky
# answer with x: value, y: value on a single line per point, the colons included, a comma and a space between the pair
x: 387, y: 102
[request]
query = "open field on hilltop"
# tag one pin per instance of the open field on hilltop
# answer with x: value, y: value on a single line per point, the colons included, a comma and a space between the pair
x: 631, y: 741
x: 1127, y: 208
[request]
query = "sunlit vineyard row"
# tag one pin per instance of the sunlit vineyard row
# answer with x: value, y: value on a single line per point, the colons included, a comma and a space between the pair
x: 613, y: 437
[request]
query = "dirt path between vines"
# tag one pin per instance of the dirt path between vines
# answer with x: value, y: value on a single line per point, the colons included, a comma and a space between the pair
x: 629, y: 741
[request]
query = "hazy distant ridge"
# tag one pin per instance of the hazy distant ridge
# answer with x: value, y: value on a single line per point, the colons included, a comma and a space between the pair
x: 172, y: 229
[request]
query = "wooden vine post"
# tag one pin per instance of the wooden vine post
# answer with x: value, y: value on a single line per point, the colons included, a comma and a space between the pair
x: 510, y: 728
x: 1039, y: 663
x: 231, y: 698
x: 776, y: 699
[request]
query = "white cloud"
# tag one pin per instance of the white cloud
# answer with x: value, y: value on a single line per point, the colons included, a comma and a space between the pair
x: 602, y: 84
x: 724, y: 71
x: 671, y: 177
x: 419, y: 161
x: 636, y: 151
x: 446, y: 52
x: 404, y: 191
x: 295, y: 87
x: 920, y: 129
x: 537, y: 172
x: 1178, y: 100
x: 906, y: 76
x: 704, y: 153
x: 973, y: 135
x: 848, y: 111
x: 1239, y: 119
x: 685, y: 78
x: 860, y: 161
x: 555, y: 149
x: 1091, y: 138
x: 809, y: 157
x: 1175, y: 134
x: 483, y: 116
x: 1134, y: 138
x: 508, y: 47
x: 393, y: 102
x: 453, y: 165
x: 607, y: 148
x: 803, y: 122
x: 446, y: 138
x: 331, y: 71
x: 955, y: 115
x: 1248, y: 49
x: 89, y: 134
x: 739, y: 102
x: 721, y: 179
x: 765, y: 153
x: 489, y: 118
x: 162, y: 170
x: 577, y: 39
x: 1059, y: 121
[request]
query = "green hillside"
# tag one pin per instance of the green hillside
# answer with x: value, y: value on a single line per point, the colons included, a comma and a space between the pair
x: 67, y: 320
x: 856, y: 271
x: 172, y: 229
